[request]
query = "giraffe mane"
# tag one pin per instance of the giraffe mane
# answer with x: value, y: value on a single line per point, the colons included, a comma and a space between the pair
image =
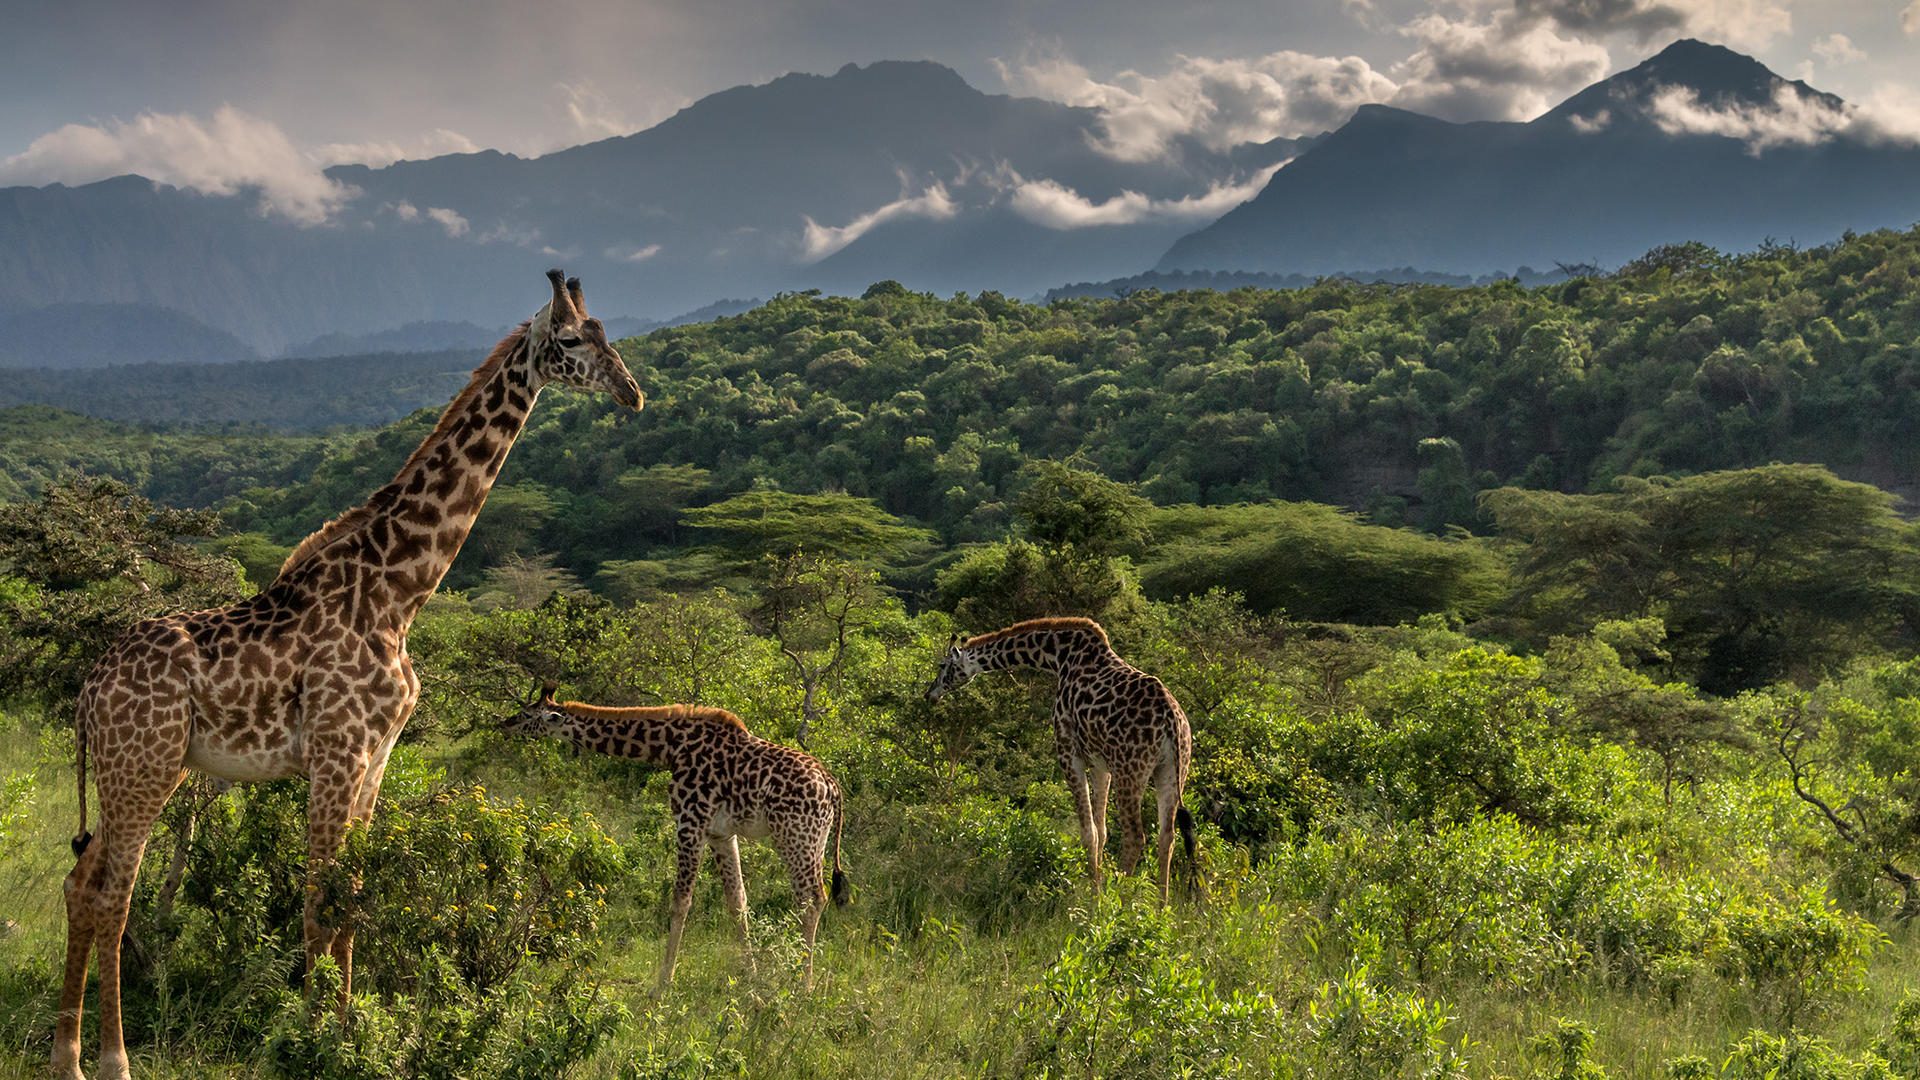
x: 1068, y: 622
x: 690, y: 714
x: 351, y: 521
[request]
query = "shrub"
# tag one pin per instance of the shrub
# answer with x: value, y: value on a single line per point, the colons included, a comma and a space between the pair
x: 1122, y: 1001
x: 473, y: 919
x: 1359, y: 1030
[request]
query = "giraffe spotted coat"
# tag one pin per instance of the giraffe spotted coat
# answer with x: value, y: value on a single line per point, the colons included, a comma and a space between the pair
x: 726, y: 783
x: 308, y: 677
x: 1114, y: 727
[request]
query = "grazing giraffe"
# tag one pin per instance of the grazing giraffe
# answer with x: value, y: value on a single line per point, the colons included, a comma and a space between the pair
x: 310, y: 676
x: 1113, y: 724
x: 726, y: 783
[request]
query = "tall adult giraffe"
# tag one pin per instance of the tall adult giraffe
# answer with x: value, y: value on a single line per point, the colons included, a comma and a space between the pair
x: 1113, y: 724
x: 308, y: 677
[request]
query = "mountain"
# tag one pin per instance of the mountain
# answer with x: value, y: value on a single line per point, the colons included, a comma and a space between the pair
x: 804, y: 181
x: 1697, y: 143
x: 95, y: 335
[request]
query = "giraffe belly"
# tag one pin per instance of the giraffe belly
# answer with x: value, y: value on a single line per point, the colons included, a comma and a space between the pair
x: 752, y: 826
x: 275, y: 758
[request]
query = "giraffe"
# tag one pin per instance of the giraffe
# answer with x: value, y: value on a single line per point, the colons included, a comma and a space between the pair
x: 1113, y: 725
x: 310, y: 676
x: 726, y: 783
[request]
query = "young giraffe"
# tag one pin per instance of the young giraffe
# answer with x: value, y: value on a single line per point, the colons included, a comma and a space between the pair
x: 308, y: 677
x: 1112, y: 725
x: 726, y: 783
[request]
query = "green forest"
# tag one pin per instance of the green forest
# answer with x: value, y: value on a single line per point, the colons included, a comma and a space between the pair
x: 1552, y: 656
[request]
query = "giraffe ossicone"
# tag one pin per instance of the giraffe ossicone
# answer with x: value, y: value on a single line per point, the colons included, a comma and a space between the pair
x: 310, y: 676
x: 1114, y: 727
x: 726, y: 783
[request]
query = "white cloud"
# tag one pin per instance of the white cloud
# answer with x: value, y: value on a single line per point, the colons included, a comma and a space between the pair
x: 820, y: 241
x: 228, y: 153
x: 1791, y: 119
x: 1742, y: 24
x: 1748, y: 24
x: 1592, y: 125
x: 381, y: 153
x: 404, y: 210
x: 1056, y: 206
x: 1512, y: 66
x: 449, y: 220
x: 592, y: 115
x: 1219, y: 103
x: 1837, y: 49
x: 632, y: 254
x: 1910, y: 18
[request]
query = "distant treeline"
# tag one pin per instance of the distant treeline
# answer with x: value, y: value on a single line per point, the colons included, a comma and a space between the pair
x: 285, y: 395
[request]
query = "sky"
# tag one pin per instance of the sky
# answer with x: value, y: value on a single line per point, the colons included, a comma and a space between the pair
x: 223, y: 94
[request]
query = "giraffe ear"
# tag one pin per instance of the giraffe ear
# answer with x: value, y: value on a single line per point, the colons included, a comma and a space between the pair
x: 547, y: 689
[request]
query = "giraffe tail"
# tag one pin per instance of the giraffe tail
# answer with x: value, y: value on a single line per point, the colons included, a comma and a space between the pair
x: 1184, y: 820
x: 82, y: 838
x: 842, y: 892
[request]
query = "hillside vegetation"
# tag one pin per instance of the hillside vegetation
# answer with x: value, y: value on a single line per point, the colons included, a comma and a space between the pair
x: 1578, y: 744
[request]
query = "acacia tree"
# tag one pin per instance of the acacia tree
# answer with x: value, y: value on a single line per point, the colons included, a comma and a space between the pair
x: 86, y: 560
x: 1783, y: 571
x: 1848, y: 753
x: 810, y: 605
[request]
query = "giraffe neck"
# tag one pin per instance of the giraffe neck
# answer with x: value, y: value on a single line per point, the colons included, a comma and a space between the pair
x: 1062, y: 652
x: 658, y: 735
x: 417, y: 523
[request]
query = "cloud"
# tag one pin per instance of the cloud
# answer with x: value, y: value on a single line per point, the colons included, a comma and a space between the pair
x: 1218, y: 103
x: 1641, y: 20
x: 820, y: 241
x: 1837, y: 49
x: 1056, y: 206
x: 379, y: 154
x: 403, y: 210
x: 1591, y: 125
x: 1750, y: 24
x: 226, y: 154
x: 449, y: 220
x: 632, y: 254
x: 1512, y: 66
x: 592, y: 115
x: 1910, y: 19
x: 1790, y: 119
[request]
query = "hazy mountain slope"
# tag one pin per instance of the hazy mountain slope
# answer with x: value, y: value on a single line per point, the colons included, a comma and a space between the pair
x: 1598, y: 179
x: 88, y: 335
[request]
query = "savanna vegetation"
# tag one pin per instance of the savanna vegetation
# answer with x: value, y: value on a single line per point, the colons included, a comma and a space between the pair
x: 1545, y: 724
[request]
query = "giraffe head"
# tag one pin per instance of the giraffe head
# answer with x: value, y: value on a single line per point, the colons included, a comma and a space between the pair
x: 570, y: 348
x: 957, y: 665
x: 541, y: 715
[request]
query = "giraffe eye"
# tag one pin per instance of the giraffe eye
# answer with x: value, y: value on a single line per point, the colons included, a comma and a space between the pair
x: 569, y: 342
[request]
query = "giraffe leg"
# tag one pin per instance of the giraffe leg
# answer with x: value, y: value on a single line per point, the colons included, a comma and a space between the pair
x: 726, y: 863
x: 363, y: 803
x: 123, y: 836
x: 1167, y: 792
x: 134, y: 778
x: 691, y: 840
x: 335, y: 774
x: 1099, y: 782
x: 81, y: 885
x: 805, y: 856
x: 1083, y: 805
x: 1133, y: 835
